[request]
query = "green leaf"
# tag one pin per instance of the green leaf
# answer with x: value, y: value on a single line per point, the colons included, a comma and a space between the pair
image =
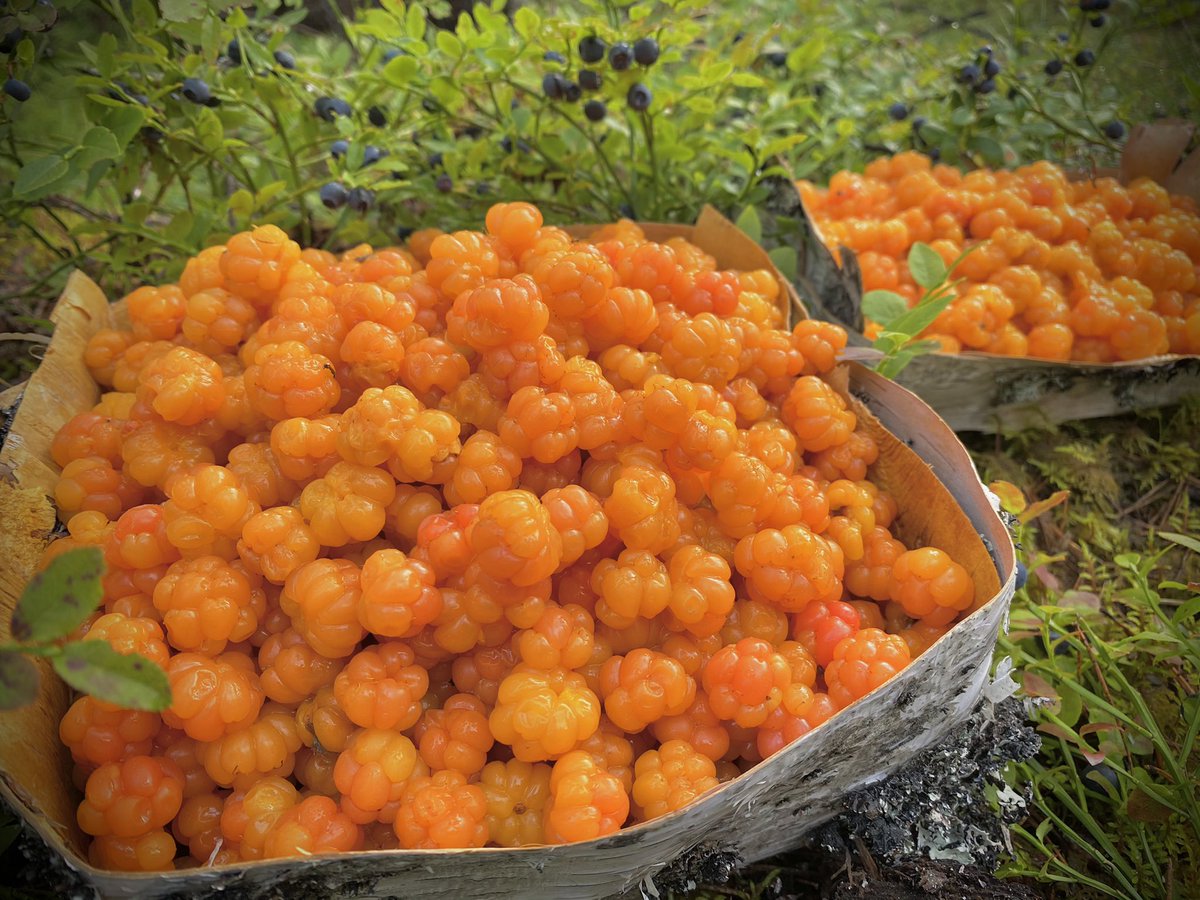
x: 749, y: 222
x: 18, y: 680
x: 449, y: 44
x: 124, y: 122
x: 526, y: 22
x: 58, y: 599
x: 97, y: 144
x: 927, y: 267
x: 414, y: 22
x: 40, y: 176
x: 883, y: 307
x: 1182, y: 540
x: 128, y: 680
x: 209, y: 131
x: 400, y: 70
x: 182, y: 10
x: 920, y: 316
x: 786, y: 261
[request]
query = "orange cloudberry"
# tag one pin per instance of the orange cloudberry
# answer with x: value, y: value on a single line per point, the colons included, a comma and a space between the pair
x: 321, y: 597
x: 930, y: 585
x: 182, y: 386
x: 442, y: 811
x: 790, y: 567
x: 670, y: 778
x: 544, y: 714
x: 746, y: 681
x: 862, y: 662
x: 382, y: 686
x: 131, y: 798
x: 371, y: 773
x: 516, y: 793
x: 586, y: 801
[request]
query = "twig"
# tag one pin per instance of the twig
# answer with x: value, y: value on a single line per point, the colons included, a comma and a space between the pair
x: 31, y: 337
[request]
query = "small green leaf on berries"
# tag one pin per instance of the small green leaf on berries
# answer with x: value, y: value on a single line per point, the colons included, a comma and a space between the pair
x: 18, y: 680
x: 58, y: 599
x: 927, y: 267
x: 749, y: 222
x: 128, y: 680
x: 883, y: 307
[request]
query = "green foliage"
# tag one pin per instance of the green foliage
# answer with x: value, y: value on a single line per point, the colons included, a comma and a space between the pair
x: 55, y: 603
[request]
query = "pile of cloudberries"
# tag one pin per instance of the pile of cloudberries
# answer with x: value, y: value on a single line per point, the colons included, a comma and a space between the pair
x: 503, y: 538
x: 1089, y: 270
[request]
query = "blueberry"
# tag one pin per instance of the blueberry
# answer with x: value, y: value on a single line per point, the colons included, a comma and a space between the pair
x: 777, y: 58
x: 595, y: 110
x: 444, y: 183
x: 590, y: 79
x: 591, y: 49
x: 285, y: 59
x: 1092, y: 776
x: 985, y: 50
x: 212, y: 102
x: 506, y: 144
x: 234, y: 52
x: 1097, y: 21
x: 991, y: 68
x: 554, y: 56
x: 1084, y: 58
x: 483, y: 188
x: 372, y: 154
x: 430, y: 105
x: 9, y: 42
x: 571, y: 92
x: 389, y: 55
x: 898, y: 111
x: 333, y: 195
x: 434, y: 160
x: 1094, y: 5
x: 376, y: 117
x: 935, y: 153
x: 626, y: 211
x: 639, y: 97
x: 338, y: 148
x: 553, y: 85
x: 1022, y: 575
x: 196, y: 90
x: 1063, y: 37
x: 918, y: 123
x: 968, y: 74
x: 1054, y: 66
x: 645, y: 51
x: 329, y: 108
x: 985, y: 87
x: 620, y: 56
x: 18, y: 90
x: 404, y: 232
x: 360, y: 199
x: 1114, y: 131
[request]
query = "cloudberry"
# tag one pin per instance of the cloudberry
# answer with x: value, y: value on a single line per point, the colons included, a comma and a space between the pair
x: 206, y: 508
x: 821, y: 625
x: 642, y: 687
x: 817, y: 414
x: 426, y: 449
x: 206, y: 603
x: 105, y: 352
x: 256, y: 262
x: 321, y: 597
x: 578, y: 517
x: 456, y: 736
x: 322, y: 723
x: 198, y: 825
x: 563, y: 637
x: 182, y: 386
x: 382, y: 687
x: 185, y: 753
x: 862, y: 662
x: 931, y: 586
x: 742, y: 492
x: 754, y: 618
x: 460, y: 262
x: 138, y: 540
x: 480, y: 672
x: 627, y: 367
x: 412, y: 506
x: 586, y: 801
x: 540, y: 478
x: 698, y: 726
x: 516, y: 793
x: 701, y: 593
x: 131, y: 798
x: 266, y: 747
x: 398, y: 596
x: 130, y: 634
x: 369, y: 430
x: 91, y: 483
x: 348, y: 503
x: 498, y: 312
x: 432, y: 367
x: 746, y: 681
x: 819, y: 343
x: 849, y: 460
x: 574, y: 282
x: 514, y: 538
x: 216, y: 321
x: 98, y: 733
x: 444, y: 539
x: 371, y: 773
x: 473, y: 404
x: 627, y: 316
x: 154, y: 451
x: 544, y: 714
x: 442, y: 811
x: 312, y: 826
x: 305, y: 448
x: 210, y: 696
x: 288, y: 380
x: 276, y: 542
x: 508, y: 368
x: 790, y: 567
x: 670, y: 778
x: 642, y: 508
x: 88, y: 434
x: 540, y: 424
x: 920, y: 636
x: 291, y: 670
x: 249, y: 814
x: 156, y: 312
x: 314, y: 770
x: 703, y: 349
x: 712, y: 292
x: 153, y: 851
x: 515, y: 225
x: 597, y: 405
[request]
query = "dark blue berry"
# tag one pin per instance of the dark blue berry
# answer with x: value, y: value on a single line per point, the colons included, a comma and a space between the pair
x: 590, y: 79
x: 591, y: 49
x: 1098, y: 21
x: 935, y: 153
x: 372, y: 154
x: 376, y: 117
x: 483, y: 188
x: 430, y: 105
x: 595, y: 110
x: 553, y: 85
x: 339, y: 148
x: 620, y: 56
x: 404, y: 232
x: 571, y: 92
x: 626, y: 211
x: 333, y: 195
x: 329, y: 108
x: 9, y: 42
x: 777, y: 58
x: 1092, y: 776
x: 360, y: 199
x: 1022, y: 575
x: 506, y: 144
x: 968, y: 74
x: 898, y: 111
x: 1061, y: 646
x: 985, y: 87
x: 985, y: 50
x: 434, y: 160
x: 554, y: 56
x: 285, y: 59
x: 1114, y: 131
x: 1084, y: 58
x: 645, y: 51
x: 444, y: 183
x: 18, y: 90
x: 1054, y: 66
x: 918, y: 123
x: 212, y: 102
x: 1094, y: 5
x: 389, y: 55
x: 991, y: 68
x: 639, y: 97
x: 196, y: 90
x: 234, y: 52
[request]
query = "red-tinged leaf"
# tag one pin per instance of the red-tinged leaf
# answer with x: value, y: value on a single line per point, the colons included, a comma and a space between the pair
x: 1094, y: 757
x: 1058, y: 731
x: 1036, y: 686
x: 1093, y: 727
x: 1083, y: 599
x: 1039, y: 507
x: 1010, y: 496
x: 1045, y: 577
